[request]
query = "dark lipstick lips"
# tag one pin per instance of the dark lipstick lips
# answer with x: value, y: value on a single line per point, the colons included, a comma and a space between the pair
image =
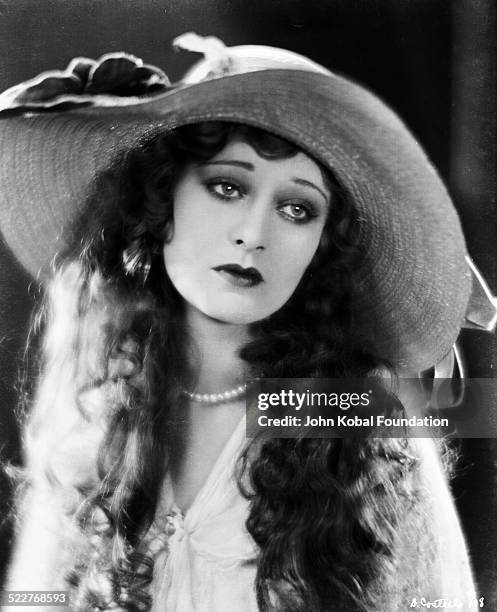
x: 243, y: 277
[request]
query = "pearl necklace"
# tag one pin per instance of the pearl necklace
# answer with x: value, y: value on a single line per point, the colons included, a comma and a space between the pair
x: 216, y: 398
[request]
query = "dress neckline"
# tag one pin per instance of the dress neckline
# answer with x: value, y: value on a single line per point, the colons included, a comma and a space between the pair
x: 205, y: 559
x: 222, y: 464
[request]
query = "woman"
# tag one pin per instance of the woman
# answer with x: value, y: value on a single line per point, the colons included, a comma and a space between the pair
x: 234, y: 230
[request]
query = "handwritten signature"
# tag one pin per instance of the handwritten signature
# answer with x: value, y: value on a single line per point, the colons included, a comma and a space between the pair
x: 422, y: 602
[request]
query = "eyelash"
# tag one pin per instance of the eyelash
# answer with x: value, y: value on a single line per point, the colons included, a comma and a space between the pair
x: 213, y: 183
x: 310, y: 214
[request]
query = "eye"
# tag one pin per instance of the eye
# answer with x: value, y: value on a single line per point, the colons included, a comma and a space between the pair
x: 297, y: 212
x: 225, y: 190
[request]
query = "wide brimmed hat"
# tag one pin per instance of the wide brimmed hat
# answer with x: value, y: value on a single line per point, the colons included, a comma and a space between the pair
x: 60, y: 130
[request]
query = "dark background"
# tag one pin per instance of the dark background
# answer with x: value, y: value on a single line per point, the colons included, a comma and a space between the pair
x: 434, y: 61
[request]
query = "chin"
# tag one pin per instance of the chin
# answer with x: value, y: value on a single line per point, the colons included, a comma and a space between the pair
x: 235, y: 313
x: 231, y: 309
x: 235, y: 318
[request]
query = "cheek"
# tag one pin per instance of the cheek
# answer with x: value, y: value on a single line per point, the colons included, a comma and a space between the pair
x: 180, y: 248
x: 188, y: 235
x: 294, y: 257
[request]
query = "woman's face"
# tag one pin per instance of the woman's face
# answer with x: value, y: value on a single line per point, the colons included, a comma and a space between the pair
x: 245, y: 230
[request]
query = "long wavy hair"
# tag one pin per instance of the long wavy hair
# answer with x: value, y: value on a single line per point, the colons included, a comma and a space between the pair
x: 325, y: 513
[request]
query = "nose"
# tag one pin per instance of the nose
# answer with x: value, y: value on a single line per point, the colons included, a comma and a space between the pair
x: 251, y: 230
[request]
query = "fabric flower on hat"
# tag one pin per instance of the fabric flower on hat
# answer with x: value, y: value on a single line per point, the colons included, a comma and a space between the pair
x: 109, y: 81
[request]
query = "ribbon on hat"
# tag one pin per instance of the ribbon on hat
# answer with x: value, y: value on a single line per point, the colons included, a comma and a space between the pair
x: 215, y: 52
x: 114, y: 79
x: 220, y: 60
x: 481, y: 312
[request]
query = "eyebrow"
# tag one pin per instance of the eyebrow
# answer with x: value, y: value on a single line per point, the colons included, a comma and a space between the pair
x: 251, y: 167
x: 301, y: 181
x: 230, y: 162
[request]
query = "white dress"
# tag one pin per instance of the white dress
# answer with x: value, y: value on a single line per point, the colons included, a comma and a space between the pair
x: 208, y: 563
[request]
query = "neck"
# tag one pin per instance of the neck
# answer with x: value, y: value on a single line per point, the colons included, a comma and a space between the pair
x: 214, y: 355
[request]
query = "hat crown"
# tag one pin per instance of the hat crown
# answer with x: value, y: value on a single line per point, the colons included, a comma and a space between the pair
x: 220, y: 60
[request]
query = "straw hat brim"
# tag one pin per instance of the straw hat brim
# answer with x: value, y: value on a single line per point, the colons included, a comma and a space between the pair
x: 416, y: 281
